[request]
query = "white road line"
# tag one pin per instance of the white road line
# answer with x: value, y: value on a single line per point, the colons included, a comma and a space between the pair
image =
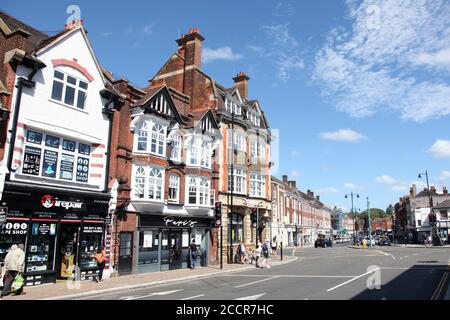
x: 288, y: 276
x: 256, y: 296
x: 193, y: 297
x: 355, y: 278
x: 258, y: 281
x: 162, y: 293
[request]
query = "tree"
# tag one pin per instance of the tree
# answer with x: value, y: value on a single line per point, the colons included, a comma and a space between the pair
x: 374, y: 213
x: 389, y: 210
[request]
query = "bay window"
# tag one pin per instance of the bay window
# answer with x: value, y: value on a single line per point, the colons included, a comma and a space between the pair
x: 198, y: 190
x: 147, y: 183
x: 257, y: 149
x: 240, y: 180
x: 147, y: 130
x: 176, y: 148
x: 158, y: 136
x: 257, y: 185
x: 239, y: 141
x: 199, y: 153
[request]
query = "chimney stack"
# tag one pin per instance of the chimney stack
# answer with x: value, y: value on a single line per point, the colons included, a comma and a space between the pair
x: 318, y: 198
x: 292, y: 184
x: 413, y: 191
x: 73, y: 24
x: 241, y: 83
x: 285, y: 178
x: 190, y: 47
x: 444, y: 190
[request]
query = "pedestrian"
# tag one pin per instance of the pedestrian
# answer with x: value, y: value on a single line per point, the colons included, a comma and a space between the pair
x: 258, y: 254
x: 265, y: 254
x: 194, y: 253
x: 274, y: 245
x: 242, y: 252
x: 14, y: 266
x: 100, y: 257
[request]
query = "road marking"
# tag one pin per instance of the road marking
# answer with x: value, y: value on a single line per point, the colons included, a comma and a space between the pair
x: 441, y: 284
x: 355, y: 278
x: 287, y: 276
x: 162, y: 293
x: 256, y: 296
x: 193, y: 297
x: 258, y: 281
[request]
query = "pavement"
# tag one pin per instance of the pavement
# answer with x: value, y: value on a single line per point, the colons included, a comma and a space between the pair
x: 62, y: 290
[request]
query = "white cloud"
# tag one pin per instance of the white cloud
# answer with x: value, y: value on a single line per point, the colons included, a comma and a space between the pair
x: 439, y: 59
x: 295, y: 153
x: 383, y: 62
x: 148, y: 29
x: 261, y: 51
x: 399, y: 188
x: 350, y: 185
x: 343, y: 135
x: 445, y: 175
x: 281, y: 35
x: 440, y: 149
x: 385, y: 179
x: 284, y: 9
x: 296, y: 173
x: 224, y: 53
x: 328, y: 190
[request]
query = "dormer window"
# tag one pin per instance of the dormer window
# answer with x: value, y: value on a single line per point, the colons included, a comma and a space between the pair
x: 255, y: 120
x: 231, y: 107
x: 69, y: 90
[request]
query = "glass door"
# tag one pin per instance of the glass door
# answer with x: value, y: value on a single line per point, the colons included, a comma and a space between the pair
x: 68, y: 247
x: 175, y: 249
x: 125, y: 252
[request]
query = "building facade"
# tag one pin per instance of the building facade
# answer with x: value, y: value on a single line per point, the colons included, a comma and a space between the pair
x: 55, y: 152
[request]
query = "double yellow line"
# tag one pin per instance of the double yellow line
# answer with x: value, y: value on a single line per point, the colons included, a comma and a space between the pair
x: 441, y: 285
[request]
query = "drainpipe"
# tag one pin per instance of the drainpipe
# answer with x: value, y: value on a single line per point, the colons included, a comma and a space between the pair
x: 110, y: 114
x: 21, y: 82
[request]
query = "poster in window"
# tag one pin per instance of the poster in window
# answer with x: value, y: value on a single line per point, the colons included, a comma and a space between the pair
x: 34, y: 137
x: 52, y: 141
x: 185, y: 241
x: 82, y: 169
x: 148, y: 238
x: 31, y: 161
x: 69, y: 145
x: 49, y: 164
x: 84, y: 148
x: 198, y: 239
x: 66, y: 166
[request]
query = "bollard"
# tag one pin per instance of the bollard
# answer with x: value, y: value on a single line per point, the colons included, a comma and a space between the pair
x: 281, y: 250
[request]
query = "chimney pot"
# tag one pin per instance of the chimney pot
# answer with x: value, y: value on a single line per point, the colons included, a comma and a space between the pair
x: 285, y: 178
x: 190, y: 47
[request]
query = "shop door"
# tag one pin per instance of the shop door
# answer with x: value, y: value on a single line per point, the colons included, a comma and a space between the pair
x: 125, y: 252
x: 68, y: 250
x: 175, y: 249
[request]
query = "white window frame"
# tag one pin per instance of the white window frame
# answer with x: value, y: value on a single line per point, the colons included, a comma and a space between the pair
x: 239, y: 179
x: 174, y: 183
x: 161, y: 137
x: 75, y: 86
x: 257, y: 182
x: 76, y: 154
x: 158, y: 182
x: 176, y: 148
x: 200, y: 151
x: 202, y: 187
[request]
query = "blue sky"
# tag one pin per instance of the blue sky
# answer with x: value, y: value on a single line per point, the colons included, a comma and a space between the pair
x: 358, y: 89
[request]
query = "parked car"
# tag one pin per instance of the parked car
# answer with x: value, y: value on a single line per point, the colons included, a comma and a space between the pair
x: 384, y: 241
x: 372, y: 240
x: 323, y: 241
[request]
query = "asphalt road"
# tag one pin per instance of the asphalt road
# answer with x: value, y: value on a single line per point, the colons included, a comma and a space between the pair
x: 338, y: 273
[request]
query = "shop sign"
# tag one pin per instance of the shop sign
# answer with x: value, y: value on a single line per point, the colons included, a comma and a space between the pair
x: 92, y: 229
x: 49, y: 201
x: 179, y: 223
x: 2, y: 214
x: 13, y: 228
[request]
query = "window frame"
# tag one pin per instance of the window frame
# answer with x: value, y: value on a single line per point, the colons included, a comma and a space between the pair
x: 160, y: 141
x: 255, y: 180
x: 177, y: 188
x: 202, y: 186
x: 77, y: 89
x: 147, y: 179
x: 238, y: 173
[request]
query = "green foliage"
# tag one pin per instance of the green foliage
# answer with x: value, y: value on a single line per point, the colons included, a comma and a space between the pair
x: 374, y: 213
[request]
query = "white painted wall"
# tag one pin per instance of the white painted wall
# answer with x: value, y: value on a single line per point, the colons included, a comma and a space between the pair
x: 38, y: 112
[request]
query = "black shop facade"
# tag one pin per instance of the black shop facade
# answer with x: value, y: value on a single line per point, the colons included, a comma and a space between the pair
x: 61, y: 230
x: 163, y: 240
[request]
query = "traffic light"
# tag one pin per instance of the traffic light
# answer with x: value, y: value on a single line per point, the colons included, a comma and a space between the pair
x: 254, y: 217
x: 218, y: 213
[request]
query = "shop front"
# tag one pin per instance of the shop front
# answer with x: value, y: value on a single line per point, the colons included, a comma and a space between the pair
x: 163, y: 241
x: 60, y: 229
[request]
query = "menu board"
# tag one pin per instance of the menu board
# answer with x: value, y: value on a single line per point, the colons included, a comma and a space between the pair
x: 49, y: 164
x: 82, y: 169
x: 31, y: 161
x: 66, y: 166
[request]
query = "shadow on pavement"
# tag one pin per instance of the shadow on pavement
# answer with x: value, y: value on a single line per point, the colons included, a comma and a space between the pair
x: 417, y: 283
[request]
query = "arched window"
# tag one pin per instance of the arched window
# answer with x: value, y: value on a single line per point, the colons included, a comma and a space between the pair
x: 192, y: 185
x: 142, y: 136
x: 155, y: 184
x: 204, y: 192
x: 205, y: 155
x: 157, y: 145
x: 139, y: 182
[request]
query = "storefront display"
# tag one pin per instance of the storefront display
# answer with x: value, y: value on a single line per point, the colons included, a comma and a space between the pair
x: 60, y: 230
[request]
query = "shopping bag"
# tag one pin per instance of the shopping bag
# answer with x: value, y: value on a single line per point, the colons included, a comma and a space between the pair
x: 18, y: 283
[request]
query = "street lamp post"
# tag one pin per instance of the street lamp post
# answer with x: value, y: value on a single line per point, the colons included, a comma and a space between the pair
x: 353, y: 214
x: 430, y: 199
x: 368, y: 218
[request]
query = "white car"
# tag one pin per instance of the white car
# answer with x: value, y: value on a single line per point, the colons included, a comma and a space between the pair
x: 372, y: 240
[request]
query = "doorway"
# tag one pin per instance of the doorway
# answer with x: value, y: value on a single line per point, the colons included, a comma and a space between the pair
x: 68, y: 250
x: 125, y: 252
x: 171, y: 247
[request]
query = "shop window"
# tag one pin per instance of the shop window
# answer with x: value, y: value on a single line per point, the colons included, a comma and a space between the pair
x: 91, y: 240
x: 41, y: 247
x: 148, y: 247
x: 11, y: 233
x: 69, y: 90
x: 54, y: 157
x: 237, y: 228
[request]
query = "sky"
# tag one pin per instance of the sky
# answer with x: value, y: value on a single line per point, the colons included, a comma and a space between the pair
x: 359, y: 89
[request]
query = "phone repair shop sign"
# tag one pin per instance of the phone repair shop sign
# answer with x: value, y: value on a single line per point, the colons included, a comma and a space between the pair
x: 2, y: 214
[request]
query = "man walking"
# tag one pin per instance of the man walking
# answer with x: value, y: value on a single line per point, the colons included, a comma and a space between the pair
x: 14, y: 265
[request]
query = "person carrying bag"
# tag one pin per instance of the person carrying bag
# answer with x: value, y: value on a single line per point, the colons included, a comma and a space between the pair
x: 100, y: 257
